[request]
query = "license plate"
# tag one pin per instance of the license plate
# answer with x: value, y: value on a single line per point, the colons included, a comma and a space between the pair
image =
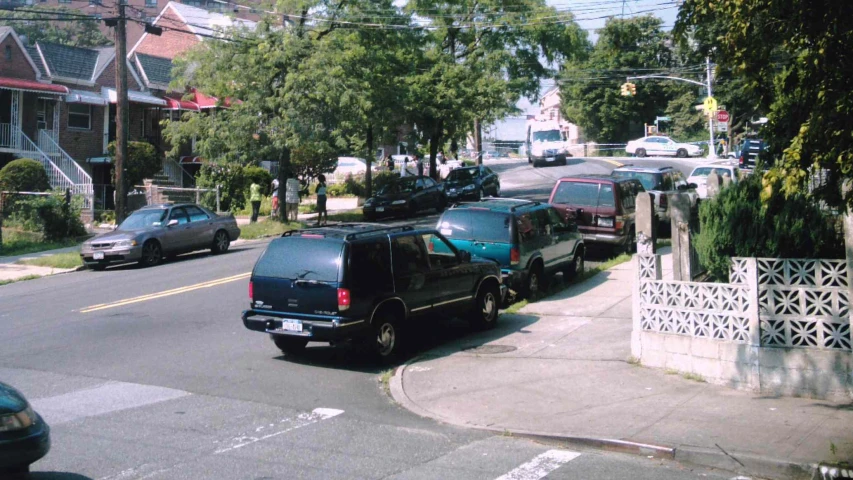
x: 549, y: 159
x: 452, y: 190
x: 605, y: 222
x: 380, y: 209
x: 98, y: 256
x: 291, y: 325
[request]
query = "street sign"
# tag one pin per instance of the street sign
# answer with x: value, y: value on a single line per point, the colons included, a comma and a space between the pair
x: 722, y: 127
x: 710, y: 105
x: 663, y: 119
x: 722, y: 116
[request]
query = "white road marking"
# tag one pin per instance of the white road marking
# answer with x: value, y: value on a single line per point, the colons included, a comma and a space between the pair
x: 540, y: 466
x: 302, y: 420
x: 102, y: 399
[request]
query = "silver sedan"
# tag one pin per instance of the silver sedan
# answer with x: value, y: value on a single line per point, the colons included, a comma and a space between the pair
x: 156, y: 231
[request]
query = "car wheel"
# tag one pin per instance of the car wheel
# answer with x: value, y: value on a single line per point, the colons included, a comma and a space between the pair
x: 535, y: 281
x: 485, y: 313
x: 386, y: 337
x: 442, y: 204
x: 498, y: 190
x: 413, y: 209
x: 152, y: 254
x: 682, y: 153
x: 98, y: 267
x: 641, y: 152
x: 289, y: 345
x: 481, y: 194
x: 221, y: 242
x: 577, y: 266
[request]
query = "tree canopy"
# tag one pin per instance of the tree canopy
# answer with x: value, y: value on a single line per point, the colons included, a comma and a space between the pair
x: 74, y: 30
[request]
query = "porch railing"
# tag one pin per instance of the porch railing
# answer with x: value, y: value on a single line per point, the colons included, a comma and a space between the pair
x: 6, y: 135
x: 71, y: 168
x: 175, y: 172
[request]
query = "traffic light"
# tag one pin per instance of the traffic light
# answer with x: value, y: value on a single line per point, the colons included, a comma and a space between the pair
x: 625, y: 90
x: 632, y: 88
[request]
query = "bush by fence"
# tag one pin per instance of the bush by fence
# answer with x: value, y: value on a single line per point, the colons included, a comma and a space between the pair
x: 48, y: 215
x: 24, y: 175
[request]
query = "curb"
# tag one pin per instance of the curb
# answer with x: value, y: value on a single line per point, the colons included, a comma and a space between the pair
x: 717, y: 459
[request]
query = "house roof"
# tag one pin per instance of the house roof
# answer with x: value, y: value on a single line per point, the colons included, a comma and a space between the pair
x: 36, y: 56
x: 69, y: 62
x: 6, y: 31
x: 204, y: 22
x: 155, y: 70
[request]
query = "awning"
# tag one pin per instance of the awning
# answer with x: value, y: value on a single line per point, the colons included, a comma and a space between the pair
x: 97, y: 160
x: 82, y: 96
x: 134, y: 96
x: 180, y: 104
x: 31, y: 86
x: 206, y: 101
x: 190, y: 159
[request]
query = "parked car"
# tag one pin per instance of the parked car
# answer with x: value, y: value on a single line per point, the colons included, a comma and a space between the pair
x: 24, y: 435
x: 603, y: 207
x: 157, y: 231
x: 531, y: 241
x: 405, y: 197
x: 365, y: 282
x: 661, y: 146
x: 353, y: 166
x: 699, y: 176
x: 472, y: 183
x: 660, y: 182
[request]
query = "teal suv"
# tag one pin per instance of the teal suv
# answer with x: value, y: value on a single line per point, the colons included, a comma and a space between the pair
x: 531, y: 241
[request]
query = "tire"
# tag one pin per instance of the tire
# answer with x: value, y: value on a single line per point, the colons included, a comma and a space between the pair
x: 386, y: 337
x: 535, y: 281
x: 577, y: 266
x: 413, y: 209
x: 289, y: 345
x: 221, y: 242
x: 535, y: 164
x: 498, y: 190
x: 152, y: 254
x: 442, y: 204
x: 682, y: 153
x: 484, y: 315
x: 99, y: 267
x: 481, y: 194
x: 641, y: 152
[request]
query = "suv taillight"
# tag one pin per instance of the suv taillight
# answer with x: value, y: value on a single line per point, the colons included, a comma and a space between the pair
x: 344, y: 299
x: 251, y: 291
x: 620, y: 222
x: 514, y: 256
x: 742, y: 161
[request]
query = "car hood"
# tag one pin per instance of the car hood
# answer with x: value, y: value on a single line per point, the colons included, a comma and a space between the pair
x: 117, y: 235
x: 459, y: 183
x: 11, y: 400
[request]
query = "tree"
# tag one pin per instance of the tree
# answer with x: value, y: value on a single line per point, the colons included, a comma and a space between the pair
x: 142, y: 162
x: 24, y: 175
x: 71, y: 28
x: 794, y: 56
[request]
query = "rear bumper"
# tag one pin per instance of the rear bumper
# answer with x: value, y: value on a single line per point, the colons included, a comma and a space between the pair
x: 329, y: 329
x: 607, y: 239
x: 514, y: 279
x: 385, y: 210
x: 549, y: 159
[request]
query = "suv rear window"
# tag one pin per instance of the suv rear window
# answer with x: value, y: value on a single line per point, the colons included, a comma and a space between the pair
x: 301, y: 258
x: 583, y: 194
x: 479, y: 225
x: 650, y: 181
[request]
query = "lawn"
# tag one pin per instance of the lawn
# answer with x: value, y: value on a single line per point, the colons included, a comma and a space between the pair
x: 19, y: 242
x: 60, y: 260
x: 266, y: 228
x: 22, y: 279
x: 354, y: 215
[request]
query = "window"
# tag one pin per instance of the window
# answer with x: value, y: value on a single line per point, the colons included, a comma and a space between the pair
x: 628, y: 195
x: 441, y: 253
x: 667, y: 182
x: 543, y: 223
x: 420, y: 184
x: 41, y: 114
x: 410, y: 256
x: 605, y: 196
x: 370, y: 266
x: 528, y: 227
x: 555, y: 218
x: 8, y: 52
x: 151, y: 3
x: 429, y: 182
x: 79, y: 116
x: 319, y: 259
x: 577, y: 193
x: 180, y: 215
x: 196, y: 214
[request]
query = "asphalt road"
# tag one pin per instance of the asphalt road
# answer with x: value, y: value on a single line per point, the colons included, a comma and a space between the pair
x: 149, y: 373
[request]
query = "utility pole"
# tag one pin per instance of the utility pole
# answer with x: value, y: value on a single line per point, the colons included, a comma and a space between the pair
x: 122, y: 113
x: 712, y: 151
x: 478, y: 140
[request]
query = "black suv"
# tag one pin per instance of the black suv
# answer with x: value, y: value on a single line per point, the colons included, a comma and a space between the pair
x: 660, y: 182
x: 365, y: 282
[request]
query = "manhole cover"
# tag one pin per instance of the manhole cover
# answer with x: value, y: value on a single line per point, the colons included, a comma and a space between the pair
x: 489, y: 349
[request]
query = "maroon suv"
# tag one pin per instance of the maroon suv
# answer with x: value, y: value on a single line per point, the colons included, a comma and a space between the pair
x: 602, y: 206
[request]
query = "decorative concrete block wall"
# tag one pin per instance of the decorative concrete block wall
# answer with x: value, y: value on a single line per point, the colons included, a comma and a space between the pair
x: 779, y: 326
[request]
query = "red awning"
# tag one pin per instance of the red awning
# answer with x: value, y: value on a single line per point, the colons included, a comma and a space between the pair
x: 190, y: 159
x: 32, y: 86
x: 180, y: 104
x: 206, y: 101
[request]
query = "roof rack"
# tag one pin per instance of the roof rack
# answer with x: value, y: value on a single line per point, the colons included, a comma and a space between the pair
x: 530, y: 204
x: 404, y: 228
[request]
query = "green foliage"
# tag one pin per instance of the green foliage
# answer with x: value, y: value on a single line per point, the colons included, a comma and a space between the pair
x: 232, y: 182
x: 24, y: 175
x: 142, y: 162
x: 737, y: 224
x: 49, y: 215
x: 793, y: 57
x: 260, y: 176
x: 79, y: 32
x: 383, y: 179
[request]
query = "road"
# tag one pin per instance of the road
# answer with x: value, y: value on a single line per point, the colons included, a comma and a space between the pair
x: 149, y: 373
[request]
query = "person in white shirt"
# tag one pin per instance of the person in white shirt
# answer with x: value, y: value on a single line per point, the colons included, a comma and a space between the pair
x: 404, y: 169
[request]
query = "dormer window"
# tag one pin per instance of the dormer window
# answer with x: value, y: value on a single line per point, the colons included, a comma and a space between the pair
x: 8, y: 52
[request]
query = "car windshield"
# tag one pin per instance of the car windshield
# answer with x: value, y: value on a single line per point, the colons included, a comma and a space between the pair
x: 143, y: 219
x: 649, y: 180
x: 462, y: 174
x: 547, y: 136
x: 400, y: 186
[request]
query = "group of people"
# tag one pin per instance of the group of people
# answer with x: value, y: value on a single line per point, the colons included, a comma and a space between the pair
x: 443, y: 168
x: 291, y: 200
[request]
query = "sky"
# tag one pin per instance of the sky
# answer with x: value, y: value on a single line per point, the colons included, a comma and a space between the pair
x: 592, y: 14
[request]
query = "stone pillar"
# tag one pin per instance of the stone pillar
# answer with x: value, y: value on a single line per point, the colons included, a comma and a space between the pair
x: 713, y: 184
x: 680, y: 211
x: 753, y: 309
x: 646, y: 224
x: 848, y: 247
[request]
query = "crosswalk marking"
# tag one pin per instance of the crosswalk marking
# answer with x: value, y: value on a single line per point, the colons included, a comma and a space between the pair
x: 302, y: 420
x: 106, y: 398
x: 540, y: 465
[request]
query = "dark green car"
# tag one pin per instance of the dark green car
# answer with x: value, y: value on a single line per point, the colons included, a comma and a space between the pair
x: 531, y: 241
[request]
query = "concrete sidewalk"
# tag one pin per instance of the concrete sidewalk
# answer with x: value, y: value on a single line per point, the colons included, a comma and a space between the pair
x: 561, y: 369
x: 10, y: 270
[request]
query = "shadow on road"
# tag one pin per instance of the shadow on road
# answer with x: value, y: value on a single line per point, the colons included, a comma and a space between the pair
x: 52, y: 476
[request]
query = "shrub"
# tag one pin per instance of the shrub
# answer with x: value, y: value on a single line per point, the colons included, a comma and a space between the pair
x: 24, y: 175
x: 336, y: 190
x: 47, y: 214
x: 232, y: 182
x: 737, y: 224
x: 260, y: 176
x: 384, y: 178
x: 355, y: 186
x: 142, y: 162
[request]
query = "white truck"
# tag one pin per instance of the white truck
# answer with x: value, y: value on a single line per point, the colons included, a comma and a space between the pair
x: 549, y: 142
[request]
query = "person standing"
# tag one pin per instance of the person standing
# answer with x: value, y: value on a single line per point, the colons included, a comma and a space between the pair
x: 389, y: 162
x: 404, y: 168
x: 420, y: 164
x: 255, y: 199
x: 322, y: 215
x: 291, y: 198
x: 274, y: 212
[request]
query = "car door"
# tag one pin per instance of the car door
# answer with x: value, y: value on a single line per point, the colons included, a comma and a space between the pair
x: 412, y: 273
x: 548, y: 238
x: 530, y: 238
x: 422, y: 196
x: 450, y: 278
x: 176, y: 237
x: 565, y: 238
x: 433, y: 191
x: 492, y: 181
x: 201, y: 228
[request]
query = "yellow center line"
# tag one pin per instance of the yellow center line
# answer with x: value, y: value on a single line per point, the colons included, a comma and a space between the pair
x: 614, y: 162
x: 166, y: 293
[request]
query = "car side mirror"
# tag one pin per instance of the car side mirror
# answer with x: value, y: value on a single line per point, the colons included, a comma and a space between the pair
x: 172, y: 223
x: 692, y: 185
x: 465, y: 256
